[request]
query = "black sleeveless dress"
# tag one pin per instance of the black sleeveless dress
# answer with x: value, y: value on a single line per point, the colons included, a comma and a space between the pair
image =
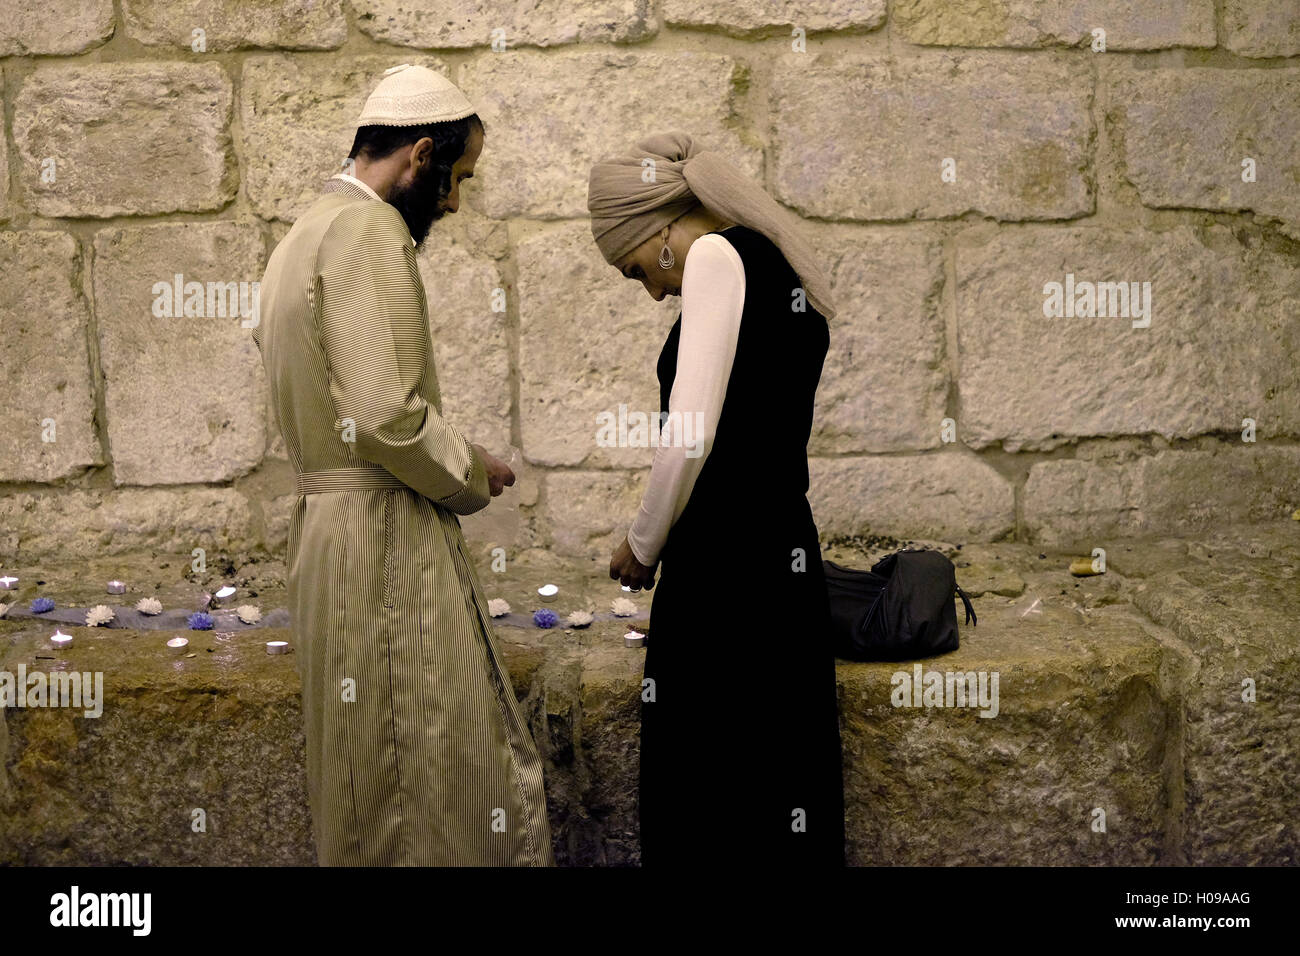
x: 740, y: 747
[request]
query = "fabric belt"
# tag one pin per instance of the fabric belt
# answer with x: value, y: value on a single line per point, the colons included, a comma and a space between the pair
x: 348, y: 479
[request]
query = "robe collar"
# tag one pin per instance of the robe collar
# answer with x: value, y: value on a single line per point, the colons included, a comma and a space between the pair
x: 344, y: 183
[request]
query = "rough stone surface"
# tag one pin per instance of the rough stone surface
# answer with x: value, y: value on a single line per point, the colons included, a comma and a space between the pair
x: 234, y: 24
x: 1186, y: 133
x: 54, y: 27
x: 299, y: 117
x: 1070, y: 500
x: 596, y: 104
x: 210, y: 424
x: 5, y: 208
x: 588, y: 342
x: 469, y: 340
x: 45, y: 363
x: 1152, y: 25
x: 1261, y: 28
x: 939, y: 495
x: 439, y: 24
x: 1021, y: 140
x: 1219, y: 307
x: 589, y: 512
x: 76, y: 523
x: 884, y: 382
x: 1231, y: 599
x: 99, y: 122
x: 754, y: 17
x: 1082, y: 723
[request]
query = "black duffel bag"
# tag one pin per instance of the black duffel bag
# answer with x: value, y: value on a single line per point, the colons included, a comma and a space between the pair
x: 902, y: 609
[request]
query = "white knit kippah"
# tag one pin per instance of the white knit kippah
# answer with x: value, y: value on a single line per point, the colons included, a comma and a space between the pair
x: 411, y: 95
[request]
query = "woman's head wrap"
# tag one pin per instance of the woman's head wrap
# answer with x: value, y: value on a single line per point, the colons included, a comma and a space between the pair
x: 630, y: 200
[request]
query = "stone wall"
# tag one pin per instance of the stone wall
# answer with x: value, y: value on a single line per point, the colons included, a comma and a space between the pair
x: 951, y: 157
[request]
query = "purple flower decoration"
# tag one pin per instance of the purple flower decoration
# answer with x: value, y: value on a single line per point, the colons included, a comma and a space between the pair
x: 545, y: 617
x: 200, y: 621
x: 41, y: 605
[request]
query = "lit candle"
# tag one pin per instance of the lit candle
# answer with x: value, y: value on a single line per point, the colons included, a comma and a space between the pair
x: 634, y: 639
x: 179, y: 645
x: 277, y: 647
x: 116, y: 587
x: 59, y: 640
x: 8, y: 584
x: 547, y: 592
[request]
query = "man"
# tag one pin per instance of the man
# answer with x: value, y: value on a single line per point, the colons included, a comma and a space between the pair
x: 417, y: 753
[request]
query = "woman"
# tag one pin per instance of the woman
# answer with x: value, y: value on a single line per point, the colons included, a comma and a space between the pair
x: 740, y: 746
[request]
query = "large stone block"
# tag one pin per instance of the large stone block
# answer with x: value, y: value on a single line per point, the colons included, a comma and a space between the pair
x: 80, y: 524
x: 439, y: 24
x: 586, y: 514
x: 589, y: 340
x: 186, y: 735
x: 884, y: 382
x: 1083, y: 722
x: 1072, y: 500
x: 125, y: 139
x: 1218, y: 348
x: 755, y: 17
x: 184, y: 387
x: 236, y: 24
x: 54, y: 27
x: 469, y: 340
x: 1186, y: 134
x: 44, y: 363
x: 864, y: 138
x: 943, y: 495
x: 595, y: 105
x: 1152, y: 25
x: 298, y: 118
x: 1233, y: 604
x: 1262, y: 28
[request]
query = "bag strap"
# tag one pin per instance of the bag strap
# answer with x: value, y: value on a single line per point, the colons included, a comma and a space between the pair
x: 970, y: 611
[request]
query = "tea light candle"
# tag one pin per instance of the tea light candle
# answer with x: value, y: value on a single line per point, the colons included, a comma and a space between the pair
x: 8, y: 583
x: 224, y: 593
x: 179, y: 645
x: 59, y: 640
x: 547, y: 592
x: 634, y: 639
x: 116, y: 587
x: 277, y: 647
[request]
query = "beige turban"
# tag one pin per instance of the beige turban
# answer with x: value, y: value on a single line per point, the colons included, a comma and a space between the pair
x: 626, y: 210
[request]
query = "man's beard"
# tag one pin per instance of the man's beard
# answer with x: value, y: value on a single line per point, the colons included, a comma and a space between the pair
x: 419, y: 204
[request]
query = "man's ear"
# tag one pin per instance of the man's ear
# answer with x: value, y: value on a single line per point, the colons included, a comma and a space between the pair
x: 421, y: 155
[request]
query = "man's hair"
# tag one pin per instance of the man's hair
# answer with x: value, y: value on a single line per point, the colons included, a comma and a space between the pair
x: 449, y: 142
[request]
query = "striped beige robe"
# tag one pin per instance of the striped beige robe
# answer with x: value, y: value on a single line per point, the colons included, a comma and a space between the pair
x: 417, y: 752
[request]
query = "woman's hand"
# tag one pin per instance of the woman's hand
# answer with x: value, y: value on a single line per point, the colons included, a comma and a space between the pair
x: 624, y: 567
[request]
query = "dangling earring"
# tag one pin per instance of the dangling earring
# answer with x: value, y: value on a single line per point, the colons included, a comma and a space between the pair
x: 666, y: 258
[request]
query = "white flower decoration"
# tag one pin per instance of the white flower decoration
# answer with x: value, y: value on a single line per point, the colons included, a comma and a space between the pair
x: 248, y: 613
x: 622, y: 607
x: 579, y: 619
x: 149, y: 605
x: 99, y: 614
x: 498, y: 607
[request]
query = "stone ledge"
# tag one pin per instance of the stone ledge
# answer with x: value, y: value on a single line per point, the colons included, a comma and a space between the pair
x: 1100, y: 706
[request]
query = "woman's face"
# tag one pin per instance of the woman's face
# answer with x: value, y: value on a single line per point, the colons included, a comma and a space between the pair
x: 642, y: 264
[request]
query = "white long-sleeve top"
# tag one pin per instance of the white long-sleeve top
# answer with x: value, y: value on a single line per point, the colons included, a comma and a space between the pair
x: 713, y: 299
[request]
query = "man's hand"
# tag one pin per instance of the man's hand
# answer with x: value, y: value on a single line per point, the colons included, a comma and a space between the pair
x: 499, y: 474
x: 625, y: 568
